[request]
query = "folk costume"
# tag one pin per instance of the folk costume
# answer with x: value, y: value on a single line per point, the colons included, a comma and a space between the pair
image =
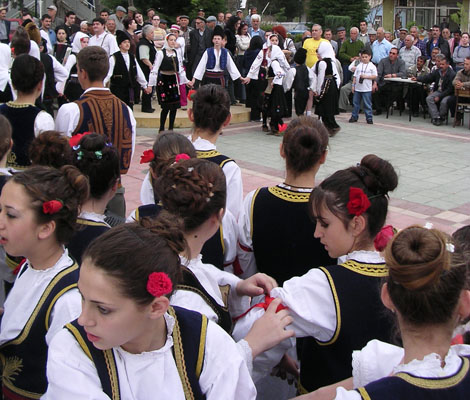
x: 106, y: 41
x: 339, y: 308
x: 40, y: 303
x: 5, y: 62
x: 378, y: 373
x: 146, y: 51
x: 297, y: 78
x: 27, y: 122
x: 176, y: 371
x: 282, y: 247
x: 124, y: 74
x: 56, y: 75
x: 90, y: 226
x: 167, y: 74
x: 214, y: 62
x: 326, y: 84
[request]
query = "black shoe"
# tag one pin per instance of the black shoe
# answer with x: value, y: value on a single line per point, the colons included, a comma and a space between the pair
x: 370, y: 122
x: 377, y: 112
x: 341, y: 110
x: 352, y: 119
x: 148, y: 110
x: 437, y: 122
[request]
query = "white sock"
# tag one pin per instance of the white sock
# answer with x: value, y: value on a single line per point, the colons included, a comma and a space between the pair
x: 309, y: 113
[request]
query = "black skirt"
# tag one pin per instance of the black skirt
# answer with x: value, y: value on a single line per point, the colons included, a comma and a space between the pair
x: 327, y: 105
x: 277, y: 106
x: 168, y: 92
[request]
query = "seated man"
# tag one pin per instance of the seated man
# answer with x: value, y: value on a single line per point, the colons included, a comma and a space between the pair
x: 420, y: 92
x: 462, y: 81
x: 389, y: 67
x: 438, y: 100
x: 345, y: 93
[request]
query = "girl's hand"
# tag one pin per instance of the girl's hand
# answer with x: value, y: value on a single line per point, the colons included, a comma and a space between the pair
x: 256, y: 285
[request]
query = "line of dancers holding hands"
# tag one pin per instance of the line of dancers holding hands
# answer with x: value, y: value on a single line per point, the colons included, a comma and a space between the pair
x: 301, y: 273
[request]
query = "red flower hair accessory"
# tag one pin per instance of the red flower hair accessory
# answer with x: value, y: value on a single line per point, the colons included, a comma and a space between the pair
x: 282, y: 127
x: 358, y: 201
x: 75, y: 139
x: 181, y: 156
x: 191, y: 94
x: 383, y: 237
x: 159, y: 284
x: 147, y: 156
x: 52, y: 206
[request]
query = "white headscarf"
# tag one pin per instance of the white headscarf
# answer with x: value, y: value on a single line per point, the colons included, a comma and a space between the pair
x: 76, y: 44
x: 325, y: 50
x: 278, y: 55
x: 166, y: 45
x: 5, y: 61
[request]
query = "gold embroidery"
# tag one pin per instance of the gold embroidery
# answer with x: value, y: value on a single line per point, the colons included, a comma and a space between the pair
x: 207, y: 153
x: 112, y: 371
x: 179, y: 358
x: 80, y: 340
x: 225, y: 291
x: 83, y: 221
x: 377, y: 270
x: 363, y: 393
x: 300, y: 388
x: 284, y: 194
x: 54, y: 300
x: 337, y: 307
x: 221, y: 229
x: 202, y: 347
x: 12, y: 366
x: 251, y: 211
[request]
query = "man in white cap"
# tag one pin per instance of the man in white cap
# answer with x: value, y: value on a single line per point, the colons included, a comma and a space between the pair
x: 118, y: 17
x: 55, y: 21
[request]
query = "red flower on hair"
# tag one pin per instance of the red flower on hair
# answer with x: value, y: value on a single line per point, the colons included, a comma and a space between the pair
x: 52, y: 206
x: 181, y: 156
x: 191, y: 94
x: 147, y: 156
x: 383, y: 237
x: 75, y: 139
x: 282, y: 127
x: 358, y: 201
x: 159, y: 284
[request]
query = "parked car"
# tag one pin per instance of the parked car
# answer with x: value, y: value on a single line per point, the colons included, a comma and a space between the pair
x: 298, y: 29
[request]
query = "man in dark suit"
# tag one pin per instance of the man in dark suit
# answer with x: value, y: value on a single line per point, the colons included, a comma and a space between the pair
x: 4, y: 26
x: 200, y: 39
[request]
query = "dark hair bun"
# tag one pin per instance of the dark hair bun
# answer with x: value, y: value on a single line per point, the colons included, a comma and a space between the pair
x: 384, y: 178
x: 77, y: 181
x: 50, y: 148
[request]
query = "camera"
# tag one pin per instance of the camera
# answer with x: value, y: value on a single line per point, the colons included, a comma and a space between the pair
x: 361, y: 80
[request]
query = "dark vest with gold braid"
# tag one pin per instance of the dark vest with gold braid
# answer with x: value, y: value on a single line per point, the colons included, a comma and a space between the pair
x: 104, y: 113
x: 213, y: 250
x: 214, y: 156
x: 189, y: 338
x: 282, y: 233
x: 23, y: 359
x: 407, y: 386
x: 123, y: 80
x: 361, y: 317
x: 87, y: 231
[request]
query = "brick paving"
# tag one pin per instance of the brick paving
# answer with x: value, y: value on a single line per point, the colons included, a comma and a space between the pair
x: 433, y: 164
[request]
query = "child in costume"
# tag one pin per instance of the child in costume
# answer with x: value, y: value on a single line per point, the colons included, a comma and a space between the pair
x: 298, y: 79
x: 128, y: 341
x: 39, y: 208
x: 339, y: 305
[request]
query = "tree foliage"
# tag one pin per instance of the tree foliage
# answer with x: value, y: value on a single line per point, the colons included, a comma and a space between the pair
x: 355, y: 9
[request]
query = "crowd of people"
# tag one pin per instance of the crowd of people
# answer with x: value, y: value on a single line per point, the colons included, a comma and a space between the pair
x: 199, y: 292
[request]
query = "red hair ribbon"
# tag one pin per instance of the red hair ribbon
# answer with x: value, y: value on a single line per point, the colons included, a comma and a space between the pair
x: 147, y: 156
x: 267, y: 301
x: 75, y: 139
x: 383, y: 237
x: 191, y: 94
x: 159, y: 284
x: 52, y: 206
x: 282, y: 127
x: 358, y: 201
x: 181, y: 156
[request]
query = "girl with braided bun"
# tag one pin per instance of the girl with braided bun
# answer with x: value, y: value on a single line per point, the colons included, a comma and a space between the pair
x: 39, y: 208
x: 99, y: 161
x: 426, y: 290
x: 338, y: 306
x: 128, y: 342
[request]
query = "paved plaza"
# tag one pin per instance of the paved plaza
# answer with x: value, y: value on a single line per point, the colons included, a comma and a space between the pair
x: 433, y: 163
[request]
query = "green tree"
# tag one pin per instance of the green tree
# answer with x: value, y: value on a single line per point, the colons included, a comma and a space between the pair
x: 355, y: 9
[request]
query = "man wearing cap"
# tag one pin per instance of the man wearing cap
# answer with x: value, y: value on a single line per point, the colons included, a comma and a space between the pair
x: 200, y: 39
x: 124, y: 72
x: 131, y: 10
x: 102, y: 38
x: 4, y: 26
x: 200, y: 13
x: 164, y: 25
x: 55, y: 21
x: 399, y: 42
x: 120, y: 12
x: 211, y: 22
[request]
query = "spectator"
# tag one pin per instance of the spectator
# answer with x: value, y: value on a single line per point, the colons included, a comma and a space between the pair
x: 462, y: 81
x: 431, y: 63
x: 363, y: 32
x: 312, y: 44
x: 255, y: 29
x: 409, y: 53
x: 130, y: 27
x: 200, y: 39
x: 446, y: 34
x: 211, y: 22
x: 399, y: 42
x: 438, y: 41
x: 202, y: 14
x: 455, y: 40
x: 227, y: 17
x: 158, y: 33
x: 164, y: 25
x: 388, y: 36
x: 4, y: 26
x: 381, y: 47
x: 419, y: 93
x: 417, y: 41
x: 389, y: 67
x: 150, y: 13
x: 55, y: 21
x: 372, y: 38
x: 243, y: 42
x: 111, y: 26
x: 253, y: 11
x: 131, y: 10
x: 84, y: 27
x: 146, y: 53
x: 104, y: 14
x: 349, y: 52
x: 118, y: 17
x: 438, y: 101
x: 221, y: 19
x: 340, y: 36
x: 47, y: 33
x: 462, y: 51
x: 102, y: 38
x: 139, y: 19
x: 328, y: 35
x: 69, y: 25
x: 61, y: 46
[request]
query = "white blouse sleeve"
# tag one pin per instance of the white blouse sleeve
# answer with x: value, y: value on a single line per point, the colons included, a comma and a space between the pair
x: 289, y: 79
x: 112, y: 62
x: 224, y: 374
x: 146, y: 191
x: 70, y: 373
x: 230, y: 237
x: 312, y: 79
x: 43, y: 122
x: 320, y: 76
x: 140, y: 76
x: 201, y: 67
x: 254, y: 69
x: 245, y: 254
x: 233, y: 177
x: 60, y: 72
x: 67, y: 118
x: 343, y: 394
x: 155, y: 68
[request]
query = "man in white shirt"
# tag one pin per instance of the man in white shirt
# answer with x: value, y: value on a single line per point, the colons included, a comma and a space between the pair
x: 47, y: 33
x: 102, y: 38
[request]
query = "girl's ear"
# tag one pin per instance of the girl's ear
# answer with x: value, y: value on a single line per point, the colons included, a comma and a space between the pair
x: 386, y: 300
x: 158, y: 307
x: 464, y: 304
x: 281, y: 151
x: 46, y: 230
x: 358, y: 225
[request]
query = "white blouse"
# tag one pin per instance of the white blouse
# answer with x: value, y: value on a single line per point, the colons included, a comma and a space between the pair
x: 378, y: 360
x: 149, y: 375
x: 28, y: 288
x: 231, y: 67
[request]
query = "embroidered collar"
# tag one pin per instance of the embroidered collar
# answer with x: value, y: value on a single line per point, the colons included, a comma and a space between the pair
x: 363, y: 256
x: 202, y: 144
x: 91, y: 216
